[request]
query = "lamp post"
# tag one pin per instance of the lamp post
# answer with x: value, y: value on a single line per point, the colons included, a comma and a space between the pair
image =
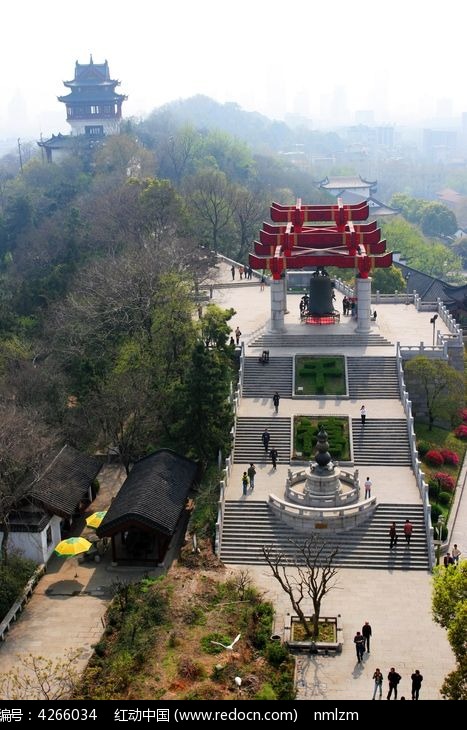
x: 407, y: 277
x: 439, y: 528
x: 433, y: 322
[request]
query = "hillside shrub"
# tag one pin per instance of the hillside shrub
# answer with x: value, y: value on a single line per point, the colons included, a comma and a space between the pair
x: 446, y: 482
x: 433, y: 489
x: 444, y: 498
x: 13, y: 577
x: 423, y: 448
x: 461, y: 432
x: 450, y: 457
x: 434, y: 458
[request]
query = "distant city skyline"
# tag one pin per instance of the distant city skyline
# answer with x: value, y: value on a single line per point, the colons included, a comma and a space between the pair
x: 395, y: 64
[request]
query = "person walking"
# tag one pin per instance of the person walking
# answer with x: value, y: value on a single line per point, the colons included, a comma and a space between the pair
x: 393, y: 678
x: 455, y: 553
x: 262, y: 282
x: 251, y: 475
x: 232, y: 270
x: 241, y: 271
x: 368, y: 484
x: 417, y: 680
x: 363, y: 414
x: 378, y: 677
x: 265, y: 438
x: 408, y: 529
x: 245, y: 482
x: 274, y: 456
x: 366, y: 633
x: 359, y: 642
x: 393, y: 535
x: 238, y: 334
x: 275, y: 399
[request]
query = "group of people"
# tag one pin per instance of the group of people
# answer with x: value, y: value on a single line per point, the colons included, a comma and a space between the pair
x: 393, y: 536
x: 452, y: 558
x: 246, y: 271
x: 393, y: 682
x: 348, y: 306
x: 362, y: 645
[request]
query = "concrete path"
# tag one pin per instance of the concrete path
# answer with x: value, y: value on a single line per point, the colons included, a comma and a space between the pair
x: 397, y: 604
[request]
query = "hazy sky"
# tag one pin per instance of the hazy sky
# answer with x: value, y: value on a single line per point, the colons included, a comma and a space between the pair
x: 404, y: 59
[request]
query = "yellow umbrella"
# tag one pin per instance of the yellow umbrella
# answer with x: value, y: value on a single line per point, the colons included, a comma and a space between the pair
x: 72, y: 546
x: 95, y: 519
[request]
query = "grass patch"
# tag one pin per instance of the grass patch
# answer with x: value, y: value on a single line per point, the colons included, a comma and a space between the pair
x: 173, y: 657
x: 306, y: 432
x: 326, y: 631
x: 320, y: 375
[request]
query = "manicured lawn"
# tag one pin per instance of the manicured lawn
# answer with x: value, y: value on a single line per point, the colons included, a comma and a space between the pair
x: 320, y: 375
x: 305, y: 436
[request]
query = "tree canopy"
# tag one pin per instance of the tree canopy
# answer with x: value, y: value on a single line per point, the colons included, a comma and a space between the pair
x: 450, y: 611
x: 439, y: 384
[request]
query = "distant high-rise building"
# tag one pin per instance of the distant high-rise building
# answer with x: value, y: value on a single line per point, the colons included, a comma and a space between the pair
x: 444, y: 108
x: 365, y: 116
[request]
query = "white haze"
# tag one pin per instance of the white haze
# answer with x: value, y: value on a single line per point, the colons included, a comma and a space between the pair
x: 404, y: 60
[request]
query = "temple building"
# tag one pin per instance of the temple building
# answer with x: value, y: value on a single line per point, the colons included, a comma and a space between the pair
x: 93, y: 107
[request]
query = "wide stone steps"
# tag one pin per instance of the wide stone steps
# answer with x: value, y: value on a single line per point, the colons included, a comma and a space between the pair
x: 319, y: 339
x: 261, y: 381
x: 249, y: 446
x: 380, y: 441
x: 250, y: 525
x: 372, y: 377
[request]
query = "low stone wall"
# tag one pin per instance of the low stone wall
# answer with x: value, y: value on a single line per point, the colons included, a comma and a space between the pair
x: 18, y: 605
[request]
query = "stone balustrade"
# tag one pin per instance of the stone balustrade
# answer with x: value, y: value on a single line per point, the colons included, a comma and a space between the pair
x: 322, y: 519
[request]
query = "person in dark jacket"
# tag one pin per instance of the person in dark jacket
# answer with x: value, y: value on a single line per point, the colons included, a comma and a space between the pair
x: 359, y: 642
x: 275, y: 399
x: 366, y: 633
x: 417, y: 680
x: 393, y: 678
x: 274, y: 456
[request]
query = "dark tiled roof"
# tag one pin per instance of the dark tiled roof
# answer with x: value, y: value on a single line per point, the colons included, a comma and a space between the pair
x: 346, y: 182
x: 27, y: 520
x: 66, y: 481
x: 96, y: 95
x: 428, y: 287
x: 154, y: 494
x: 58, y: 141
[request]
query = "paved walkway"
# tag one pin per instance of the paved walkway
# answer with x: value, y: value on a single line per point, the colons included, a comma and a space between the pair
x: 397, y: 604
x: 68, y: 606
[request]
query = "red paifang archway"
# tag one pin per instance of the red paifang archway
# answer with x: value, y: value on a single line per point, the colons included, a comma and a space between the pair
x: 337, y: 241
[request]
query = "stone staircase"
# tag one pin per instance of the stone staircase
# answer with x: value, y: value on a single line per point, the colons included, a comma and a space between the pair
x: 260, y: 381
x: 380, y: 441
x: 372, y: 377
x: 319, y: 339
x: 251, y: 524
x: 248, y: 444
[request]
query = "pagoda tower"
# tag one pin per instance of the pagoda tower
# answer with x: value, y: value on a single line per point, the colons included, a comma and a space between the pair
x: 93, y: 106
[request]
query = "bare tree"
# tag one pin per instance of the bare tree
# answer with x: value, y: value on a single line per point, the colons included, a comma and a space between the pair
x: 250, y: 209
x: 211, y: 199
x: 24, y: 448
x: 39, y: 678
x: 313, y: 575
